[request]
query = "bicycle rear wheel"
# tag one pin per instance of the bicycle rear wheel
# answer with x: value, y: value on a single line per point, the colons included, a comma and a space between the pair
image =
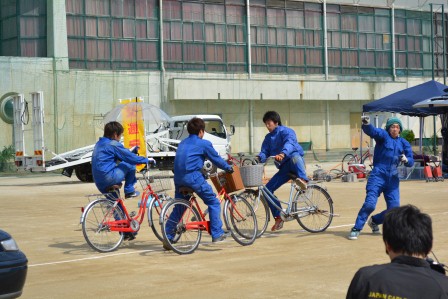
x: 313, y: 208
x: 176, y: 215
x: 154, y: 210
x: 260, y: 207
x: 95, y: 229
x: 240, y: 220
x: 348, y: 159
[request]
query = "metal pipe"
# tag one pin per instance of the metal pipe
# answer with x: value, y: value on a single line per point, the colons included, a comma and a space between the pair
x: 327, y: 128
x: 394, y: 70
x: 249, y: 50
x: 251, y: 127
x: 162, y: 62
x: 325, y: 41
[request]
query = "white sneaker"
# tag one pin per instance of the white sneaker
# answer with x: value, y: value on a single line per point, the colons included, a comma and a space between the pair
x: 375, y: 228
x: 354, y: 233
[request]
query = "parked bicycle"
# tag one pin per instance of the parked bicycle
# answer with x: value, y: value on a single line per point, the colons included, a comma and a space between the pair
x: 312, y: 207
x: 106, y: 220
x: 354, y: 158
x: 183, y: 234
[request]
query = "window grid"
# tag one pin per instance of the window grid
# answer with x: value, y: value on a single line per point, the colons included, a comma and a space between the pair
x: 286, y: 37
x: 23, y: 28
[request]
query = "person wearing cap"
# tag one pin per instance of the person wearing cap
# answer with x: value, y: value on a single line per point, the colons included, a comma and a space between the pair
x: 390, y: 151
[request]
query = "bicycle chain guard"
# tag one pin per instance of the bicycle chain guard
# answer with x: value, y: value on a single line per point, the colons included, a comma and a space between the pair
x: 135, y: 225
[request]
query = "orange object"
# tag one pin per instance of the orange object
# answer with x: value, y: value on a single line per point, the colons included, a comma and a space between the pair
x: 231, y: 182
x: 437, y: 172
x: 428, y: 172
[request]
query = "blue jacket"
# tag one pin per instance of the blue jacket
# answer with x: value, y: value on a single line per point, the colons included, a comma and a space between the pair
x: 387, y: 149
x: 106, y: 155
x: 190, y: 156
x: 281, y: 140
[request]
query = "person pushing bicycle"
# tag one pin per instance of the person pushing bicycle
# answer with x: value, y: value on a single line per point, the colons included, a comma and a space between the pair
x: 190, y: 156
x: 282, y: 143
x: 390, y: 151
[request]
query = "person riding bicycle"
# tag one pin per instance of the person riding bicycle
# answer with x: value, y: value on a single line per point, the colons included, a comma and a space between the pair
x: 408, y: 239
x: 190, y: 156
x: 390, y: 150
x: 282, y: 143
x: 112, y: 163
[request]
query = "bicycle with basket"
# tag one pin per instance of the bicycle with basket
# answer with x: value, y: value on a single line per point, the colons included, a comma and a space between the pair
x: 312, y: 208
x: 106, y: 220
x: 183, y: 220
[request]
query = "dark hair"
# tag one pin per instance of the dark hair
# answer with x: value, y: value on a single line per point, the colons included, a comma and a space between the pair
x: 408, y: 231
x: 274, y: 116
x: 195, y: 125
x: 111, y: 128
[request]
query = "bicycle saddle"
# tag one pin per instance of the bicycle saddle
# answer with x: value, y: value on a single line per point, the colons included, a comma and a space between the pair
x: 185, y: 190
x: 292, y: 176
x: 113, y: 188
x: 355, y: 148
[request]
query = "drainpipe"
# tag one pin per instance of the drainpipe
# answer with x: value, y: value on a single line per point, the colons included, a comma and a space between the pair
x: 394, y: 71
x: 325, y: 41
x: 327, y: 128
x: 162, y: 63
x: 251, y: 126
x: 249, y: 53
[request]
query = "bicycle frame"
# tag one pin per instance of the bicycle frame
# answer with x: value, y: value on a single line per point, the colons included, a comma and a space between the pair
x: 268, y: 195
x: 204, y: 224
x: 125, y: 225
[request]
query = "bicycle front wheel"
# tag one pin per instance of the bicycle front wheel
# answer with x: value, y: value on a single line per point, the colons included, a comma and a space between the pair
x: 177, y: 215
x: 95, y: 226
x: 260, y: 207
x: 313, y: 208
x: 240, y: 219
x: 348, y: 159
x: 154, y: 211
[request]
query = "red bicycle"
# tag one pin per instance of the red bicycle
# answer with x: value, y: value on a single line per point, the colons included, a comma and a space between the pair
x: 354, y: 158
x: 106, y: 220
x: 182, y: 232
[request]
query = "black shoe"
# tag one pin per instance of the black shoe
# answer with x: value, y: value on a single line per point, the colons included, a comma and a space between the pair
x: 129, y: 236
x: 166, y: 246
x: 220, y: 238
x: 132, y: 194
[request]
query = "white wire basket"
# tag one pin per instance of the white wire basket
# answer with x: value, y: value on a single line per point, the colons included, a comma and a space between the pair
x: 252, y: 175
x: 159, y: 181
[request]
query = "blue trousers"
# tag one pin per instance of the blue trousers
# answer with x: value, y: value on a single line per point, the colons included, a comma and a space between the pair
x: 380, y: 181
x: 123, y: 171
x: 295, y: 165
x: 197, y: 182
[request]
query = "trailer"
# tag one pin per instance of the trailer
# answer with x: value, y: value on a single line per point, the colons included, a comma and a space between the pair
x: 161, y: 144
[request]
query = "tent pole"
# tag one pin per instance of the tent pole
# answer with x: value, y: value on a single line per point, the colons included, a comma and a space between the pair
x: 421, y: 134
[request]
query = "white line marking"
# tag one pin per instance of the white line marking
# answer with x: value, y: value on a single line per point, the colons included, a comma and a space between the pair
x: 91, y: 258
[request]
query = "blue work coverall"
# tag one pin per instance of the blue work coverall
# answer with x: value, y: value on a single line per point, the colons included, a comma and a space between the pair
x: 107, y: 169
x: 384, y: 176
x: 283, y: 140
x: 190, y: 156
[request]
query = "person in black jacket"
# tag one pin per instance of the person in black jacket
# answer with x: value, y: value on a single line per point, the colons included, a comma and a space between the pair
x: 407, y: 235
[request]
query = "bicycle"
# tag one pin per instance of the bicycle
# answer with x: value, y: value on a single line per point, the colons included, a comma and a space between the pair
x: 106, y: 220
x: 353, y: 158
x: 242, y: 160
x: 183, y: 235
x: 312, y: 207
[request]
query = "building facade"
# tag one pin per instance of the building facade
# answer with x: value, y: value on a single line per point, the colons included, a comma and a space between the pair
x: 315, y: 62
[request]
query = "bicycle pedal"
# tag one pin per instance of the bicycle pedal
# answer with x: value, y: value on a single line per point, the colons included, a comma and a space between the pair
x: 132, y: 214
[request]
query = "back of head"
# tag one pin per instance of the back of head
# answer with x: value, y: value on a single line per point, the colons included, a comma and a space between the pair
x: 112, y: 128
x: 273, y: 116
x: 408, y: 231
x: 394, y: 120
x: 195, y: 125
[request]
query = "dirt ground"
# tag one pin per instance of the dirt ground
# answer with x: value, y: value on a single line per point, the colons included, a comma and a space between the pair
x: 42, y: 213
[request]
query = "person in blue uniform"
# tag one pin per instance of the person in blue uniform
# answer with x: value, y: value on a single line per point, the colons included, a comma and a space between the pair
x: 408, y: 239
x: 112, y: 162
x: 282, y: 143
x: 190, y: 156
x: 390, y: 151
